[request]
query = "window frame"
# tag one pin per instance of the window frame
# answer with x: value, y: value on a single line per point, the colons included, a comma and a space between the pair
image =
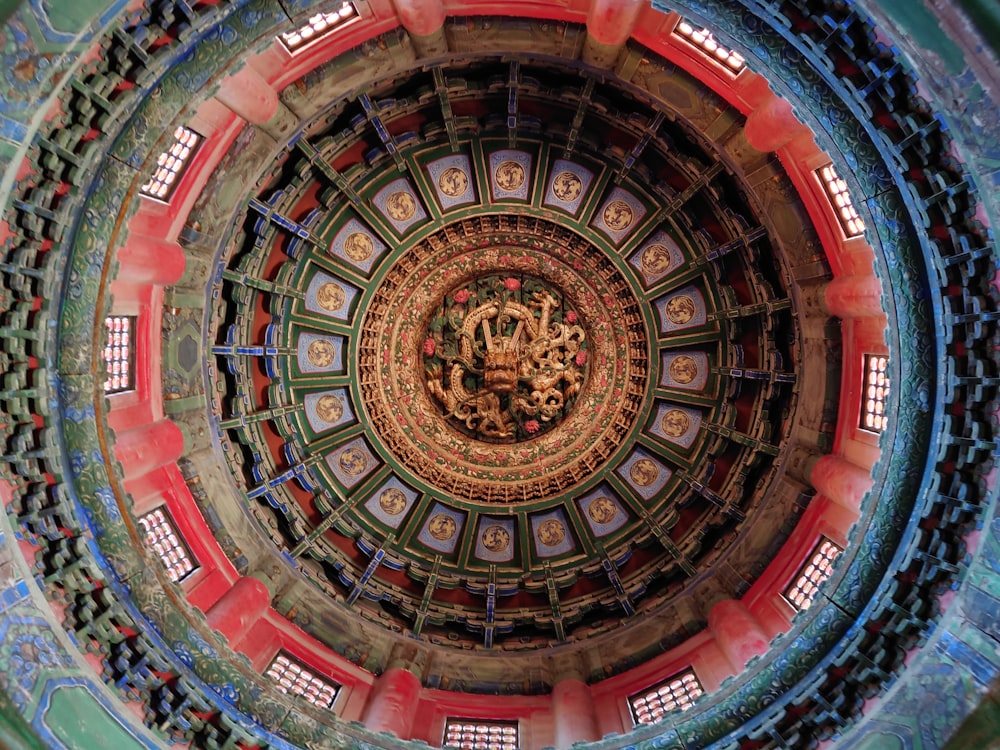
x: 313, y: 674
x: 657, y: 687
x: 876, y: 400
x: 690, y: 35
x: 333, y: 24
x: 178, y: 175
x: 182, y: 544
x: 839, y: 197
x: 457, y: 720
x: 130, y: 358
x: 800, y: 573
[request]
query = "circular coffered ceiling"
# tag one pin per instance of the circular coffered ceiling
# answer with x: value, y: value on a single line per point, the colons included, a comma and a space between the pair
x: 492, y: 363
x: 508, y: 364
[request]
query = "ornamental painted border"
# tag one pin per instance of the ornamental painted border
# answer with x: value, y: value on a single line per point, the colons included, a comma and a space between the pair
x: 755, y: 702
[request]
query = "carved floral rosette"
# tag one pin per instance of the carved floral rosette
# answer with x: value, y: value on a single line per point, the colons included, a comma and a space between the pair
x: 411, y: 422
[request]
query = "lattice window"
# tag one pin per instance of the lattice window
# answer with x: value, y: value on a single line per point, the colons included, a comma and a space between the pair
x: 676, y: 693
x: 171, y: 164
x: 119, y: 354
x: 162, y: 537
x: 804, y: 587
x: 475, y: 734
x: 876, y: 393
x: 290, y: 676
x: 843, y: 206
x: 317, y: 26
x: 703, y: 40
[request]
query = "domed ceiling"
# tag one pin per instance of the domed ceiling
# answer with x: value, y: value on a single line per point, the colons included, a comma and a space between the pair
x: 500, y: 388
x: 509, y: 352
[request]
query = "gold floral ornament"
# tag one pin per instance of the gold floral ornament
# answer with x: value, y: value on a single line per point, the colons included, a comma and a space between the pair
x: 551, y: 532
x: 675, y: 423
x: 320, y: 353
x: 401, y: 206
x: 442, y: 527
x: 655, y: 260
x: 683, y: 369
x: 496, y: 538
x: 509, y: 176
x: 567, y: 186
x: 392, y: 501
x: 453, y: 182
x: 681, y: 309
x: 353, y: 461
x: 504, y: 359
x: 602, y: 510
x: 644, y: 472
x: 330, y: 408
x: 618, y: 215
x: 359, y: 247
x: 331, y: 296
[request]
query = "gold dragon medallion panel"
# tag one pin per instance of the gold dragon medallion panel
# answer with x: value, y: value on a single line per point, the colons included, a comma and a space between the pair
x: 504, y: 362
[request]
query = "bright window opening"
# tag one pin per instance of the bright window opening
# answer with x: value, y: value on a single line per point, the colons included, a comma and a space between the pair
x: 703, y: 40
x: 317, y: 26
x: 676, y: 693
x: 162, y: 537
x: 802, y: 592
x: 119, y: 354
x: 473, y: 734
x: 876, y: 393
x: 171, y: 165
x: 292, y: 677
x: 843, y: 206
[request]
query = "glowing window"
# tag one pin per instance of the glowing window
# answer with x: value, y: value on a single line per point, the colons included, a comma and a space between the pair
x: 474, y: 734
x: 292, y: 677
x: 802, y: 592
x: 162, y: 537
x: 876, y: 393
x: 703, y: 40
x: 676, y: 693
x: 119, y: 354
x: 843, y: 206
x: 171, y: 164
x: 317, y: 26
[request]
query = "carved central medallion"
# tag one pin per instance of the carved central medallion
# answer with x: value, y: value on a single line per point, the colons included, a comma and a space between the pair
x: 505, y: 357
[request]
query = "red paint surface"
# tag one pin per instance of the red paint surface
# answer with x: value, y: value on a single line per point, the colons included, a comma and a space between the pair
x: 248, y: 95
x: 393, y: 702
x: 842, y: 481
x: 611, y: 21
x: 737, y: 632
x: 573, y: 712
x: 239, y: 608
x: 147, y: 447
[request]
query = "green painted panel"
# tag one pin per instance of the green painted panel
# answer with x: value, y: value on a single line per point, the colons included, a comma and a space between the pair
x: 72, y: 15
x: 7, y: 8
x: 80, y: 722
x: 985, y: 16
x: 919, y: 22
x: 880, y: 741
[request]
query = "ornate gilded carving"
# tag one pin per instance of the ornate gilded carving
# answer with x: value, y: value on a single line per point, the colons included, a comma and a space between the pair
x: 505, y: 358
x: 488, y: 329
